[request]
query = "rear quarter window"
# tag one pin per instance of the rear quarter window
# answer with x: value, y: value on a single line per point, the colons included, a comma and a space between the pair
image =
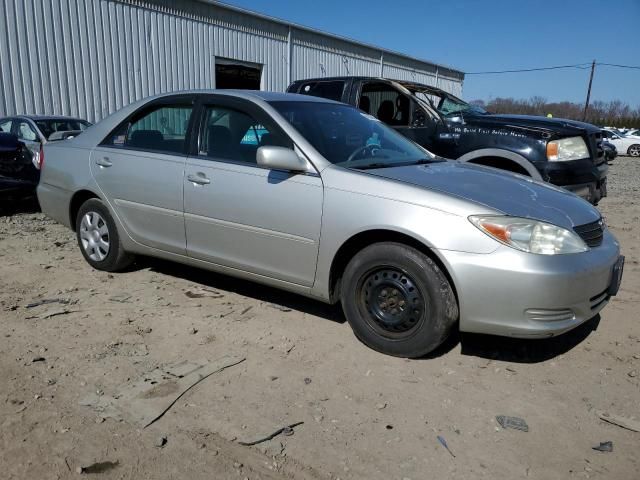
x: 332, y: 90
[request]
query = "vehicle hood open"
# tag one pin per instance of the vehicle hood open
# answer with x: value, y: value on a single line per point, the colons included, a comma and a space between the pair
x: 508, y: 193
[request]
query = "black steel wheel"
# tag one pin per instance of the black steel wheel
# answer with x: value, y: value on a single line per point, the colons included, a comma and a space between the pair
x: 397, y: 300
x: 391, y: 302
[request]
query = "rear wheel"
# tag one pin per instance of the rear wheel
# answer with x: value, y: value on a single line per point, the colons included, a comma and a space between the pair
x: 397, y: 300
x: 634, y: 150
x: 98, y: 238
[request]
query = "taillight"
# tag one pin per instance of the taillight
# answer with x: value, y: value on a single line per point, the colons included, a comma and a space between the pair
x: 38, y: 158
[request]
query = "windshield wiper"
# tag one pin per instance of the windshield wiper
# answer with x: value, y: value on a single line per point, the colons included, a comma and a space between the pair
x: 374, y: 165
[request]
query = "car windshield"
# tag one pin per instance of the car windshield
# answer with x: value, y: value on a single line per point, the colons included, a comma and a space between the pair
x: 350, y: 138
x: 450, y: 106
x: 50, y: 126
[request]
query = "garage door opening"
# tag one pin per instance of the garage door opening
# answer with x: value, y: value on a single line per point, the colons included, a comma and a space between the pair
x: 237, y: 75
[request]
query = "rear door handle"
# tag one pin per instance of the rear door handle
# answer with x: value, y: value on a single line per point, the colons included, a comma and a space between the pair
x: 199, y: 178
x: 104, y: 162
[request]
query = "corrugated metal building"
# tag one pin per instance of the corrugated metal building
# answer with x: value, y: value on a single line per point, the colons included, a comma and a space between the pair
x: 88, y: 58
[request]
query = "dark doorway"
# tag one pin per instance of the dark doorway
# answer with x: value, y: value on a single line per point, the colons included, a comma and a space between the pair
x: 236, y: 76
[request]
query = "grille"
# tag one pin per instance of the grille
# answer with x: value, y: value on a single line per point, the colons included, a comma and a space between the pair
x: 591, y: 233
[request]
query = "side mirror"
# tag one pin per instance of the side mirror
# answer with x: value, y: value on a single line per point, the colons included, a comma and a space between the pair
x: 280, y: 158
x: 456, y: 119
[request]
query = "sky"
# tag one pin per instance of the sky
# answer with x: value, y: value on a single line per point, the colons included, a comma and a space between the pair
x: 493, y: 35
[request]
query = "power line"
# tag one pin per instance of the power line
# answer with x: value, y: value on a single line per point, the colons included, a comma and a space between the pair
x: 581, y: 66
x: 635, y: 67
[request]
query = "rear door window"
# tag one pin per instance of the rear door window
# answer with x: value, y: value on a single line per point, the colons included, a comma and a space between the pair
x: 332, y: 89
x: 162, y: 128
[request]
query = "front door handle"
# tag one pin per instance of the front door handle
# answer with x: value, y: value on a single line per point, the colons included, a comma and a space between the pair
x: 199, y: 178
x: 104, y: 162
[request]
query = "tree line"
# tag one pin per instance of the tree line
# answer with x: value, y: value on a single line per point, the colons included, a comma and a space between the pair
x: 611, y: 114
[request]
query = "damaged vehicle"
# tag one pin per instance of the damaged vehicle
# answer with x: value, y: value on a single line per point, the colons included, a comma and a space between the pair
x: 21, y: 140
x: 562, y: 152
x: 19, y: 173
x: 35, y: 130
x: 318, y: 198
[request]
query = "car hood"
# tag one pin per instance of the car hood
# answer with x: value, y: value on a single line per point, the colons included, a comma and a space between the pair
x: 508, y: 193
x: 559, y: 126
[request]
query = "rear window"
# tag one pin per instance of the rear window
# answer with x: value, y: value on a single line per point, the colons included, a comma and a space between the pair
x: 330, y: 89
x: 48, y: 127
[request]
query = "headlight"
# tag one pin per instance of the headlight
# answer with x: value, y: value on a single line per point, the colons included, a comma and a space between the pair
x: 572, y: 148
x: 530, y: 235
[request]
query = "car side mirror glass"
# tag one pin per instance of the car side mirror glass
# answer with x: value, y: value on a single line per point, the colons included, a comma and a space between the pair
x: 280, y: 158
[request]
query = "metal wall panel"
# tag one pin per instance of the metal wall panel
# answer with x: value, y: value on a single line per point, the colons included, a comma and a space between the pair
x: 88, y: 58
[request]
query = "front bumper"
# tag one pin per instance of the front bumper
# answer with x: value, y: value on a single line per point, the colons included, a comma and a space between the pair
x: 517, y: 294
x: 581, y: 177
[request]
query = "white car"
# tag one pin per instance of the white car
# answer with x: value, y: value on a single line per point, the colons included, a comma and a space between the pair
x: 633, y: 133
x: 627, y: 145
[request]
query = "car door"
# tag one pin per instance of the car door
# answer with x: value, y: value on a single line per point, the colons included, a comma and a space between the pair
x: 243, y: 216
x: 139, y: 168
x: 399, y: 111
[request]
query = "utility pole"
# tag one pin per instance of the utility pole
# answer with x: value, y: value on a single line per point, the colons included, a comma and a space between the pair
x: 586, y: 104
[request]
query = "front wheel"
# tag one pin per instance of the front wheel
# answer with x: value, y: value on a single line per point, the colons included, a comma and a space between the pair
x: 98, y: 238
x: 634, y: 150
x: 397, y: 300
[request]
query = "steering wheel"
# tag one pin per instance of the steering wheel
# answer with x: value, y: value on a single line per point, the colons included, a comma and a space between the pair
x: 358, y: 150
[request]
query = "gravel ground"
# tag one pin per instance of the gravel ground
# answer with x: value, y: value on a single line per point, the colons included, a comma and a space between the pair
x: 365, y: 415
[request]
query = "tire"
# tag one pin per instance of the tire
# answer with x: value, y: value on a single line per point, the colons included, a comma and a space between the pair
x: 98, y: 238
x: 634, y: 150
x: 378, y: 284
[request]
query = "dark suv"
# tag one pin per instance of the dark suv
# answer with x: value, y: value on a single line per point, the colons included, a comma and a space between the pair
x: 562, y: 152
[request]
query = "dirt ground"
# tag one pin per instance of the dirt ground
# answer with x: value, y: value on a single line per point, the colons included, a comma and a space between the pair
x: 365, y: 415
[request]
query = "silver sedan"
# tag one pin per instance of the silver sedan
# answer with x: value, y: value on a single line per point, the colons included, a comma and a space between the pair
x: 319, y: 198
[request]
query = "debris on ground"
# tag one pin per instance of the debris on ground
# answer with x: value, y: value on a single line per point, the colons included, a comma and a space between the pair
x: 604, y: 447
x: 98, y: 467
x: 146, y: 400
x: 51, y: 313
x: 512, y: 422
x: 288, y: 431
x: 47, y: 301
x: 443, y: 442
x: 120, y: 298
x: 203, y: 293
x: 193, y: 330
x: 620, y: 421
x: 161, y: 441
x: 37, y: 359
x: 282, y: 308
x: 307, y: 380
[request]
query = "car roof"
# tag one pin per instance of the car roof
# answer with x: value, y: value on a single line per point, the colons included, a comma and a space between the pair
x: 405, y: 83
x: 250, y: 94
x: 45, y: 117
